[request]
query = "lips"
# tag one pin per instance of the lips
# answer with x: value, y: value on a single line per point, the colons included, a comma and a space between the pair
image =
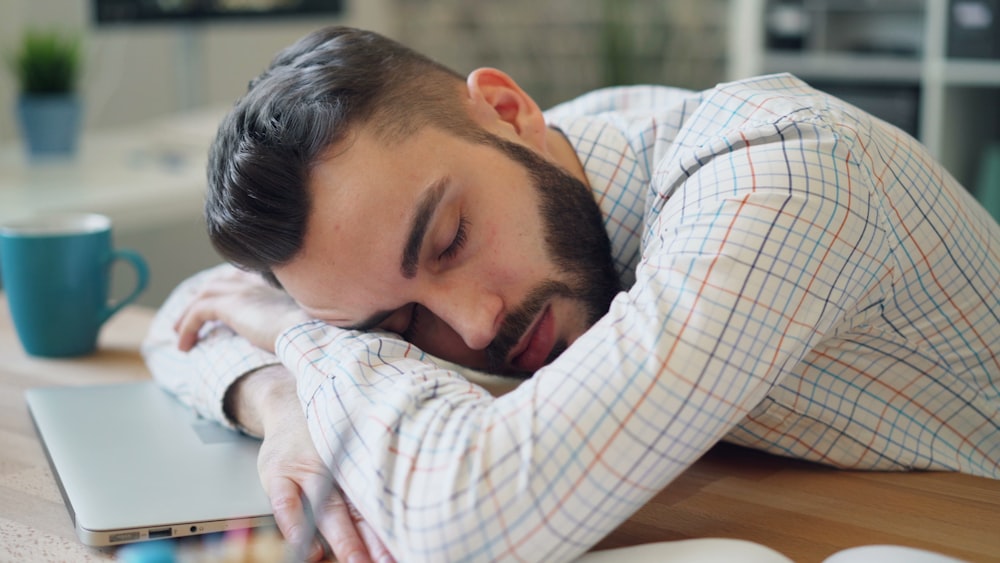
x: 536, y: 345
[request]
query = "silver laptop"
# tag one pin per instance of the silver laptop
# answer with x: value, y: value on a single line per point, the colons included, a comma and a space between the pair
x: 133, y: 464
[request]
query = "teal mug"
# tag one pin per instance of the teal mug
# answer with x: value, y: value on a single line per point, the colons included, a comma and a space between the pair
x: 56, y: 272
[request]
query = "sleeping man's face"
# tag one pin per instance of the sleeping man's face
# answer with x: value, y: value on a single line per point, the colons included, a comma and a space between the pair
x: 484, y: 254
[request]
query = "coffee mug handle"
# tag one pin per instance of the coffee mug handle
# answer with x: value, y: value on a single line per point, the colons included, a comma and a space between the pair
x: 141, y: 275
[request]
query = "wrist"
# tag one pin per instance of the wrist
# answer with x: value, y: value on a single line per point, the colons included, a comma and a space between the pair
x: 258, y: 399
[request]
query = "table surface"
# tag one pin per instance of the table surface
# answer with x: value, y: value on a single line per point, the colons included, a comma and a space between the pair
x: 802, y: 510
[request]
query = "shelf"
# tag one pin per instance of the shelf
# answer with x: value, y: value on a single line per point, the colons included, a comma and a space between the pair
x: 835, y: 66
x: 854, y: 49
x: 972, y: 72
x: 869, y: 68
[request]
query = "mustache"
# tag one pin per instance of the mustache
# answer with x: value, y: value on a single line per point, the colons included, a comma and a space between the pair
x: 518, y: 321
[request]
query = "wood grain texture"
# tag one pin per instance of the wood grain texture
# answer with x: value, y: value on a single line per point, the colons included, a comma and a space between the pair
x: 34, y: 523
x: 803, y: 510
x: 808, y: 512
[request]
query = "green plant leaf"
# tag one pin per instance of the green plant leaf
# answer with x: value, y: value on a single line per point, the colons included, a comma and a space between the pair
x: 47, y: 62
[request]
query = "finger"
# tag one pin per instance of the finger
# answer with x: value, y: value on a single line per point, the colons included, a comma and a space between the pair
x: 187, y: 311
x: 376, y: 549
x: 216, y: 286
x: 189, y: 326
x: 186, y: 339
x: 290, y: 514
x: 335, y: 522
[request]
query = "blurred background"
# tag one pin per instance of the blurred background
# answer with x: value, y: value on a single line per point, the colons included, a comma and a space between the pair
x: 157, y: 74
x: 145, y: 58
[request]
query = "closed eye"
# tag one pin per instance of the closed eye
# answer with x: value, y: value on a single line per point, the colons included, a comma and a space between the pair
x: 461, y: 235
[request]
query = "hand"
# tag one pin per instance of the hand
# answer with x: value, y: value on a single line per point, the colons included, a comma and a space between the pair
x: 294, y: 476
x: 244, y: 302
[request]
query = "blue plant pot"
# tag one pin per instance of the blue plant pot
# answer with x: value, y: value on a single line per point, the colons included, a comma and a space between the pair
x: 50, y: 123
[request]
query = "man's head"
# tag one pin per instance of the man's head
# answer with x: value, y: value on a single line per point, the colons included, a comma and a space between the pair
x: 311, y: 97
x: 384, y: 191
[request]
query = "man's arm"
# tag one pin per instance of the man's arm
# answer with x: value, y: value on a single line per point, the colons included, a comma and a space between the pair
x: 228, y: 379
x: 202, y: 376
x: 292, y: 475
x: 741, y: 277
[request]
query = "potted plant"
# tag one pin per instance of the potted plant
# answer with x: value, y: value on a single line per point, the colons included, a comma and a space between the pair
x: 47, y: 66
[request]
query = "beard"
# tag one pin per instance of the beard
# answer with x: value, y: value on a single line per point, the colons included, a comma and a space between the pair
x: 576, y: 242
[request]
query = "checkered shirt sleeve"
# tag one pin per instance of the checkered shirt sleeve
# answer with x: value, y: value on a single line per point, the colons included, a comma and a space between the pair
x: 201, y: 377
x: 802, y: 278
x: 807, y: 281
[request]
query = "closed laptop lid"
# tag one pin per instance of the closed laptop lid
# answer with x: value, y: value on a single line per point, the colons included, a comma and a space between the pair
x: 135, y: 464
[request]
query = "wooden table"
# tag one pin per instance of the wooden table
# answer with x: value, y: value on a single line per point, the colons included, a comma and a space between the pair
x: 802, y: 510
x: 34, y: 523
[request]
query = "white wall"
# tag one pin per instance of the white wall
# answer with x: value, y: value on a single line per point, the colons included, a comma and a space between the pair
x: 136, y: 72
x: 139, y: 74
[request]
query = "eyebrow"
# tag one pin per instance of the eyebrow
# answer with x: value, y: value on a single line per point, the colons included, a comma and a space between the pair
x: 421, y: 220
x: 419, y: 224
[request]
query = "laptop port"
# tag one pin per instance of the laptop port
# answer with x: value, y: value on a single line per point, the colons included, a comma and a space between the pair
x: 123, y: 536
x: 160, y: 533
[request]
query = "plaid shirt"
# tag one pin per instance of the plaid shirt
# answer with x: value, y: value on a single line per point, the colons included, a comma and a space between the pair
x: 803, y: 279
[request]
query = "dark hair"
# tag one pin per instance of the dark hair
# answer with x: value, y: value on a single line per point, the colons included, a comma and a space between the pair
x: 310, y: 98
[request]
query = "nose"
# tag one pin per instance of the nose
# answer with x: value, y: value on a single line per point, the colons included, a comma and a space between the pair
x: 471, y: 311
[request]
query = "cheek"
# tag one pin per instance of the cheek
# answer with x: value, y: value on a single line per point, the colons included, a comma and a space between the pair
x: 438, y: 339
x: 516, y: 258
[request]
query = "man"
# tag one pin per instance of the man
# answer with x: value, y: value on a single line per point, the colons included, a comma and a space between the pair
x: 797, y: 277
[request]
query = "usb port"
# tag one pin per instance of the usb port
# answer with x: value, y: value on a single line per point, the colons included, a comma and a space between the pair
x: 123, y: 536
x: 160, y: 533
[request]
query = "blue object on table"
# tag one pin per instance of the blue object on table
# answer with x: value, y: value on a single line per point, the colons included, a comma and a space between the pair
x: 161, y: 551
x: 56, y: 271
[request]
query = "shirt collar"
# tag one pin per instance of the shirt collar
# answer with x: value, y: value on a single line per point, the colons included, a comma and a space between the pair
x: 618, y: 184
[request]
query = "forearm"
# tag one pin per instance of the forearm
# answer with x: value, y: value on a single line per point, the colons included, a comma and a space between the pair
x: 547, y: 470
x: 430, y: 459
x: 201, y: 377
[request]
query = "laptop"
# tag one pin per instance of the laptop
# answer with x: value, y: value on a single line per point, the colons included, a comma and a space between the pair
x: 134, y: 464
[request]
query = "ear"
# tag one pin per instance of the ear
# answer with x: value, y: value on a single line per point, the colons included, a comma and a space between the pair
x: 500, y: 105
